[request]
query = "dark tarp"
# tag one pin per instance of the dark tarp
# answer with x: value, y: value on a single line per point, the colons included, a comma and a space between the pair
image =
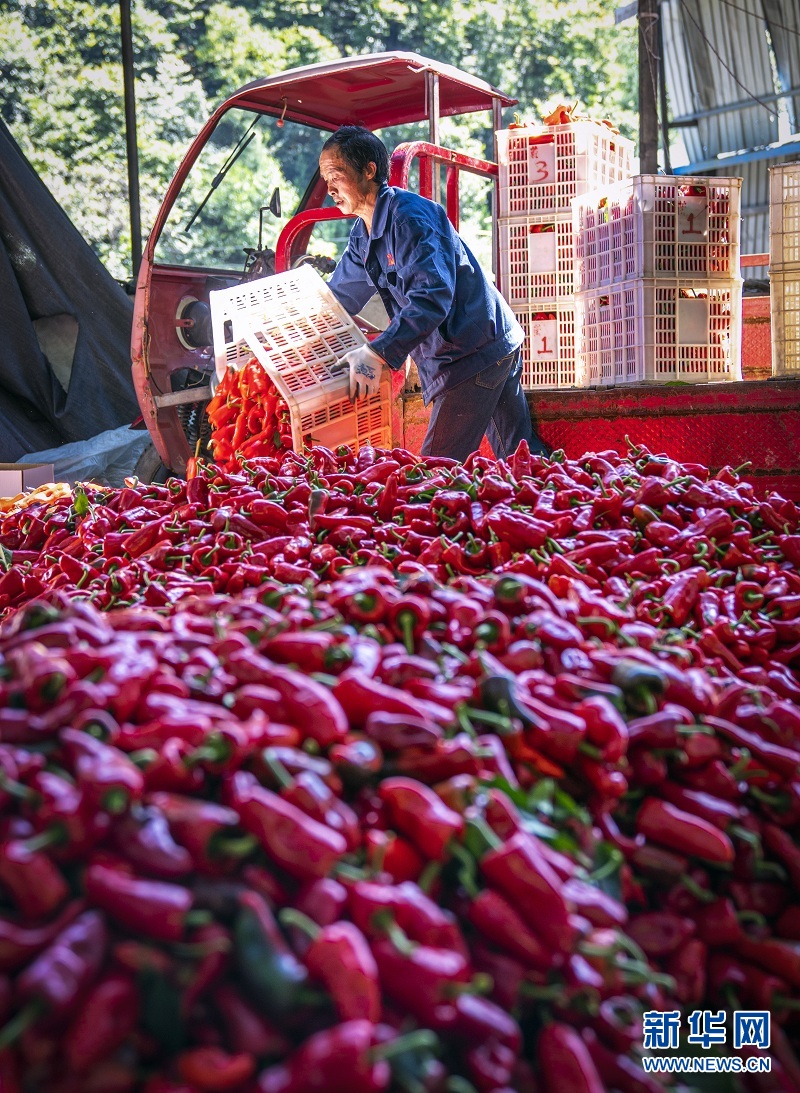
x: 65, y: 323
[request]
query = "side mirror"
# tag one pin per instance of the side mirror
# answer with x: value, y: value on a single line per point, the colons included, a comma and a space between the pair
x: 275, y: 202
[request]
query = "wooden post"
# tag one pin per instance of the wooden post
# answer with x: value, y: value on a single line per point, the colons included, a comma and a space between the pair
x: 648, y: 87
x: 126, y: 36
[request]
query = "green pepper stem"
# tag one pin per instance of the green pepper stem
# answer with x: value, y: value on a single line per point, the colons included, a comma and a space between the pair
x: 480, y: 838
x: 589, y: 620
x: 51, y: 836
x: 608, y: 868
x: 277, y: 769
x: 16, y: 789
x: 457, y: 1084
x: 421, y: 1039
x: 752, y: 916
x: 384, y: 920
x: 467, y: 875
x: 550, y: 993
x: 405, y: 620
x: 696, y: 890
x: 116, y: 801
x: 290, y: 916
x: 429, y: 875
x: 240, y: 846
x: 198, y: 950
x: 20, y: 1023
x: 585, y: 748
x: 196, y: 918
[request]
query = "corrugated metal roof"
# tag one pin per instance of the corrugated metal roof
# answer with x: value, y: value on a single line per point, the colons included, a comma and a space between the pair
x: 729, y: 53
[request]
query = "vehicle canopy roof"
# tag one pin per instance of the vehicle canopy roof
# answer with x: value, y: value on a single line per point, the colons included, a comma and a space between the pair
x: 377, y: 90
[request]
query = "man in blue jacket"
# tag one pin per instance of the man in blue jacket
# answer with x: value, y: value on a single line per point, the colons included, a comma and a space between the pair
x: 443, y: 310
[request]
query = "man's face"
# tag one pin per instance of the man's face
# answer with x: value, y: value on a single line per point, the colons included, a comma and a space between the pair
x: 350, y: 189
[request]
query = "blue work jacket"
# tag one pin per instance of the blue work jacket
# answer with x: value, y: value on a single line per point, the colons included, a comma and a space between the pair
x: 443, y: 310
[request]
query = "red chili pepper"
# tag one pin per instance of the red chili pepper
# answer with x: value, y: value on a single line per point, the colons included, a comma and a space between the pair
x: 340, y: 957
x: 373, y: 907
x: 523, y: 874
x: 660, y: 933
x: 784, y: 761
x: 670, y: 826
x: 418, y: 813
x: 36, y: 884
x: 248, y: 1031
x: 109, y: 778
x: 361, y: 696
x: 213, y: 1070
x: 143, y: 837
x: 309, y: 705
x: 19, y: 944
x: 154, y: 908
x: 501, y: 924
x: 301, y: 845
x: 565, y: 1061
x: 391, y: 854
x: 107, y: 1017
x: 54, y: 981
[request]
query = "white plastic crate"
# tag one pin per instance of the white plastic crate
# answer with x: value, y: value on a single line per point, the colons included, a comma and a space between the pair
x: 298, y: 331
x: 548, y: 352
x: 657, y: 226
x: 537, y: 257
x: 542, y: 168
x: 784, y: 306
x: 655, y: 331
x: 784, y: 217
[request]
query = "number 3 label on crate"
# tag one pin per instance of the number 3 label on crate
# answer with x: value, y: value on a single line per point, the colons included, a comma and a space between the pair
x: 692, y: 214
x: 544, y: 339
x: 542, y: 162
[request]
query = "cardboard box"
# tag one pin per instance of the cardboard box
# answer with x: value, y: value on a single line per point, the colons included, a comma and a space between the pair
x: 16, y: 477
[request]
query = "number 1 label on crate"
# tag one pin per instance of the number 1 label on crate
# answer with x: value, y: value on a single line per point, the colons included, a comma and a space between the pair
x: 544, y: 339
x: 692, y: 214
x: 542, y: 162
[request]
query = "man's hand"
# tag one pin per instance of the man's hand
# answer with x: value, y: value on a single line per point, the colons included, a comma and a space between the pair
x: 365, y: 372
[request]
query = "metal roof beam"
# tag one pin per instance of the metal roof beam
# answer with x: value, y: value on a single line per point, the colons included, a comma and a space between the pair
x: 689, y: 120
x: 719, y: 163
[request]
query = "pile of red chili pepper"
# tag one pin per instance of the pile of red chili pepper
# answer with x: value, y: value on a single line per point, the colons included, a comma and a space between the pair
x: 248, y: 416
x: 366, y: 772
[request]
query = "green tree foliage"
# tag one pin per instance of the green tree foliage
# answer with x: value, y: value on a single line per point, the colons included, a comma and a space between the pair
x: 61, y: 92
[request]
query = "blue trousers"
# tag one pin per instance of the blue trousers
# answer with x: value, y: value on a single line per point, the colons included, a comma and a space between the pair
x: 492, y: 403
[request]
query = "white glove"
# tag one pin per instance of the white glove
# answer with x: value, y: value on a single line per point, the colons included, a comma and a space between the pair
x: 365, y: 372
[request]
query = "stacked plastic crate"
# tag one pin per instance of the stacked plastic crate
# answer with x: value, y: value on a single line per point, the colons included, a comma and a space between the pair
x: 658, y: 292
x: 542, y: 168
x: 784, y: 268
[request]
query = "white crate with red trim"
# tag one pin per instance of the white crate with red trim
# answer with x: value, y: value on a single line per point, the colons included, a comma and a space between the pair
x: 658, y: 331
x: 548, y: 353
x: 784, y: 217
x: 657, y: 226
x: 298, y: 331
x: 543, y: 167
x: 537, y: 257
x: 784, y: 305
